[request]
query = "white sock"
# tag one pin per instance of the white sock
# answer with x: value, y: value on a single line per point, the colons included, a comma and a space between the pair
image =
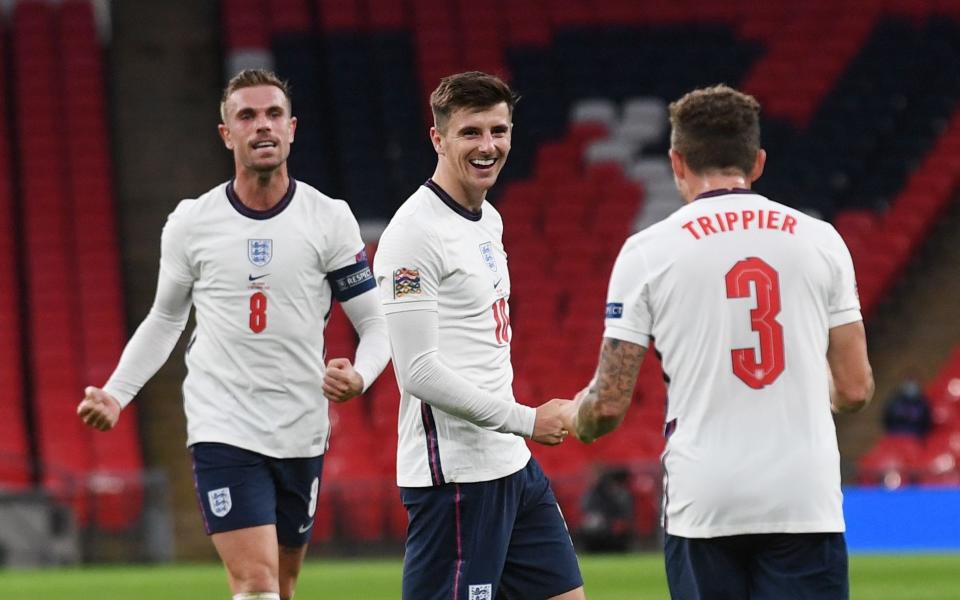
x: 256, y: 596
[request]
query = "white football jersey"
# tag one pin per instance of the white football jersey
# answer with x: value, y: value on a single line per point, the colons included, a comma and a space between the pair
x: 263, y: 283
x: 739, y: 293
x: 435, y: 255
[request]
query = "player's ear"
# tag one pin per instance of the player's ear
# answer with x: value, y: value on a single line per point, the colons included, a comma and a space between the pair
x: 677, y: 164
x: 758, y: 165
x: 293, y: 128
x: 437, y: 140
x: 225, y: 136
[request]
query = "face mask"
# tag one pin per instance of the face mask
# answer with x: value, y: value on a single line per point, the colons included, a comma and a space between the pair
x: 912, y: 388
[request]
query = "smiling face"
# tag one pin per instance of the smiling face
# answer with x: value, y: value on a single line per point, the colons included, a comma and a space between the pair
x: 472, y: 149
x: 258, y: 128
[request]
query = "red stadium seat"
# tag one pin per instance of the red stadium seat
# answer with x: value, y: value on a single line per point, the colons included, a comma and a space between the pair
x: 386, y: 15
x: 59, y: 68
x: 289, y: 16
x: 351, y: 468
x: 397, y: 519
x: 855, y: 225
x: 16, y: 470
x: 340, y: 15
x: 324, y: 525
x: 568, y: 468
x: 526, y: 24
x: 385, y: 402
x: 564, y: 13
x: 635, y: 441
x: 245, y: 25
x: 891, y: 461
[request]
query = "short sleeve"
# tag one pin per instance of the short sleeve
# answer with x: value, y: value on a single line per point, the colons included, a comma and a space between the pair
x: 408, y: 267
x: 346, y: 264
x: 628, y: 315
x: 345, y: 244
x: 844, y: 304
x: 174, y: 261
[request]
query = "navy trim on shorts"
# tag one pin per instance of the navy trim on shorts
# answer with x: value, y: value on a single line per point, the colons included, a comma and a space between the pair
x: 196, y: 489
x: 504, y: 538
x: 459, y: 568
x: 666, y: 488
x: 433, y: 448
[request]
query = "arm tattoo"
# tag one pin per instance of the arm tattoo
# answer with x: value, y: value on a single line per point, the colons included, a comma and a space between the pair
x: 608, y: 397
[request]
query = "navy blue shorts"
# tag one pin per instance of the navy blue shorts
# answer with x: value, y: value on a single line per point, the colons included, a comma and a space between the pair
x: 504, y: 538
x: 771, y: 566
x: 238, y: 488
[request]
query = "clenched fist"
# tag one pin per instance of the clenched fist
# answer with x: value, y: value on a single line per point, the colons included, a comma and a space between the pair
x: 341, y: 382
x: 98, y: 409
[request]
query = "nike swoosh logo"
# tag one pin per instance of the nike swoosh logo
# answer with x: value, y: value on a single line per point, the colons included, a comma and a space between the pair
x: 252, y: 278
x: 497, y: 283
x: 305, y: 528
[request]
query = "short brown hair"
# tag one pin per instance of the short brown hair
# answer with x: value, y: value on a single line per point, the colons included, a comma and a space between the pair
x: 472, y: 90
x: 253, y: 78
x: 716, y: 129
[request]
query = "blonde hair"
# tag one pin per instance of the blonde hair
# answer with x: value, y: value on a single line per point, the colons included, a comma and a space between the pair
x: 252, y: 78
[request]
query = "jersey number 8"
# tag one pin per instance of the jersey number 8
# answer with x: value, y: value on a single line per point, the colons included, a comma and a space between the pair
x: 766, y: 281
x: 258, y: 312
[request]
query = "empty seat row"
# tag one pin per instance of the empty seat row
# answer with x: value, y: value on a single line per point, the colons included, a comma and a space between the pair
x: 74, y: 323
x: 897, y: 459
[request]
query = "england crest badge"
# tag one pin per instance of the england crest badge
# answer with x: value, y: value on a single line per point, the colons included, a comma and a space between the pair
x: 260, y: 252
x: 484, y: 591
x: 220, y: 502
x: 486, y: 250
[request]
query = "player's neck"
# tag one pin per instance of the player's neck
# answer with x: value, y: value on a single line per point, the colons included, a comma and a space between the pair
x: 471, y: 200
x: 701, y: 184
x: 261, y: 191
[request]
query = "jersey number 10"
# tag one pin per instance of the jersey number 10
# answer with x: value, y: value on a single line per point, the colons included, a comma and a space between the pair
x: 501, y: 316
x: 766, y: 281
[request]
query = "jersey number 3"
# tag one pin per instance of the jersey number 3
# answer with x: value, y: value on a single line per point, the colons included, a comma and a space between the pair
x: 258, y: 312
x: 758, y: 373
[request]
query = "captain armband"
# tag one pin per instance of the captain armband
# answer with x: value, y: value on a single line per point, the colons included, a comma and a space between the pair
x: 351, y: 281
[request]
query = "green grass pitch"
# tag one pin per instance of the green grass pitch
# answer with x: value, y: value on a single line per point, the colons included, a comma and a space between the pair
x: 621, y: 577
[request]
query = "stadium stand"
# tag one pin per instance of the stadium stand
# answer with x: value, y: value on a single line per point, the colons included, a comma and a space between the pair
x: 63, y: 444
x: 870, y: 126
x: 867, y: 134
x: 70, y: 251
x: 116, y: 458
x: 897, y: 460
x: 836, y: 31
x: 16, y: 469
x: 858, y: 138
x: 243, y: 25
x: 587, y: 165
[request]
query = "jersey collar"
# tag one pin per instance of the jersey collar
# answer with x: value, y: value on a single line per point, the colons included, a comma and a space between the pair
x: 449, y: 201
x: 724, y: 192
x: 261, y: 215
